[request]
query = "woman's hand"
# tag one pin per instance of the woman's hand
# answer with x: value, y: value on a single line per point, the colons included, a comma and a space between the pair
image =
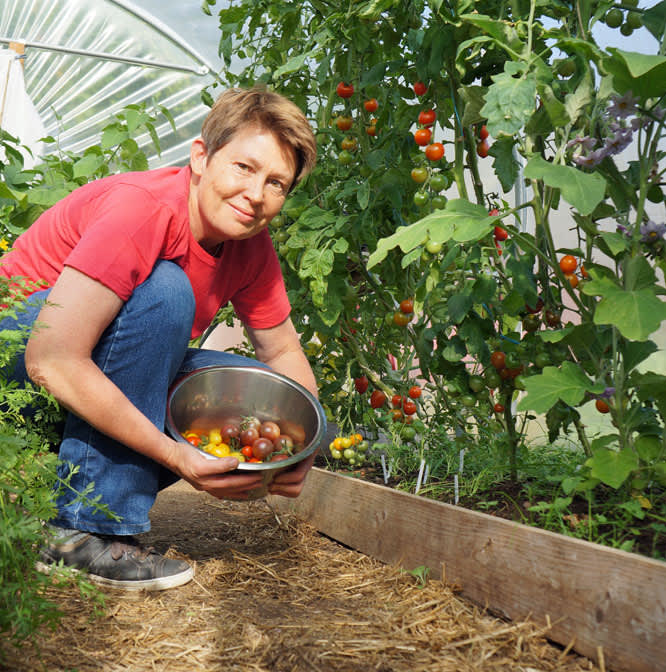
x: 289, y: 483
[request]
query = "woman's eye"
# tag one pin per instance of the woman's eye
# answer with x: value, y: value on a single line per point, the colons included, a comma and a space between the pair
x: 277, y: 186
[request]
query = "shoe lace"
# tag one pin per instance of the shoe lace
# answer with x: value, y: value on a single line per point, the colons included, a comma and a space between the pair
x: 131, y: 546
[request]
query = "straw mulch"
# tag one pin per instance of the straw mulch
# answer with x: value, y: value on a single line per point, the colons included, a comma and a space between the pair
x: 271, y: 594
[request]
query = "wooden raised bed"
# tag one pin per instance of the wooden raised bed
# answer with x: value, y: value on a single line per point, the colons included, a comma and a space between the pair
x: 609, y: 605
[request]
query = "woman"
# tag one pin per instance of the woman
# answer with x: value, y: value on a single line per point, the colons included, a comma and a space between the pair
x: 136, y: 265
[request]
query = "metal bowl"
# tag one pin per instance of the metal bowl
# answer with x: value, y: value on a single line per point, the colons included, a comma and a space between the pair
x: 208, y: 396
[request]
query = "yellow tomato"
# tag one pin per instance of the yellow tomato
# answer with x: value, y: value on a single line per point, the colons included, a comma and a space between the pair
x: 218, y: 449
x: 346, y: 442
x: 337, y: 443
x: 215, y: 436
x: 239, y: 456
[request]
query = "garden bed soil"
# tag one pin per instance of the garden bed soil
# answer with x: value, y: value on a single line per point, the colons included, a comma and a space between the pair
x: 271, y: 594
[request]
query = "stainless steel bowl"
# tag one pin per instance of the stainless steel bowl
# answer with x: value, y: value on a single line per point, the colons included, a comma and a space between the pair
x: 208, y: 396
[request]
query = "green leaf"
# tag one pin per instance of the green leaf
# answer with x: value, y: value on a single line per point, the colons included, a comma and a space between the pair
x: 113, y: 136
x: 87, y: 166
x: 556, y: 111
x: 505, y: 164
x: 577, y: 102
x: 294, y: 64
x: 654, y: 19
x: 458, y: 307
x: 584, y: 191
x: 642, y: 74
x: 616, y: 243
x: 502, y: 31
x: 636, y: 314
x: 612, y: 467
x: 363, y: 195
x: 510, y: 100
x: 568, y: 383
x: 316, y: 263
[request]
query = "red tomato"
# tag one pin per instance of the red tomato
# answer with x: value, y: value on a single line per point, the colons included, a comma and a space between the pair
x: 194, y: 440
x: 361, y: 384
x: 229, y: 431
x: 422, y: 136
x: 427, y: 117
x: 396, y: 401
x: 414, y: 392
x: 568, y: 263
x: 409, y: 407
x: 573, y: 279
x: 371, y: 105
x: 420, y: 88
x: 602, y: 406
x: 498, y: 408
x: 284, y: 444
x: 498, y: 359
x: 249, y: 436
x: 435, y: 151
x: 377, y: 399
x: 483, y: 133
x: 401, y: 319
x: 262, y: 448
x: 344, y: 123
x: 407, y: 306
x: 247, y: 451
x: 500, y: 234
x: 269, y: 430
x: 344, y: 90
x: 494, y: 212
x: 371, y: 130
x: 482, y: 149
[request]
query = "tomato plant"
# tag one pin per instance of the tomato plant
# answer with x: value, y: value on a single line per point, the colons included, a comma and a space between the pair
x: 419, y: 175
x: 401, y: 319
x: 371, y: 105
x: 344, y: 123
x: 377, y: 399
x: 419, y: 88
x: 414, y: 392
x: 427, y: 117
x: 483, y: 148
x: 361, y: 383
x: 568, y: 263
x: 407, y: 306
x: 500, y: 233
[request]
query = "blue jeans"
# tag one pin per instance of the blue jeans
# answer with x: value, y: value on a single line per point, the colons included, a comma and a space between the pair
x: 142, y: 351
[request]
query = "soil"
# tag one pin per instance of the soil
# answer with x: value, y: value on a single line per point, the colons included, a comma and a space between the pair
x: 271, y: 594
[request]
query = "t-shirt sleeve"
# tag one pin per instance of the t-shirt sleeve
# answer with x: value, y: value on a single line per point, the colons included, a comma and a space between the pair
x: 120, y: 246
x: 262, y: 303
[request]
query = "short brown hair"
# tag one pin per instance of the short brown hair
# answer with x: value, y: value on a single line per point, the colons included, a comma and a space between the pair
x: 236, y: 108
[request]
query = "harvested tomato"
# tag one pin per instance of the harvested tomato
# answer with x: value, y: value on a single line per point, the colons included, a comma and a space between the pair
x: 422, y: 136
x: 262, y: 448
x: 419, y: 88
x: 284, y: 444
x: 249, y: 435
x: 427, y: 117
x: 434, y: 151
x: 377, y: 399
x: 229, y: 432
x: 194, y: 439
x: 568, y: 263
x: 414, y: 392
x: 361, y: 384
x: 269, y: 430
x: 247, y: 451
x: 407, y: 306
x: 344, y: 90
x: 371, y: 105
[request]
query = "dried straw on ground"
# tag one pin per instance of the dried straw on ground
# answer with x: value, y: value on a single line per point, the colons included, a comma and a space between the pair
x: 270, y: 594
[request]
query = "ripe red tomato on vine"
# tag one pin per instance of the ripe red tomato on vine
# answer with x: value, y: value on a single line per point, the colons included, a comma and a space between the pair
x: 396, y: 401
x: 377, y: 399
x: 482, y: 149
x: 568, y: 263
x: 414, y: 392
x: 344, y: 90
x: 361, y: 384
x: 422, y: 136
x: 434, y: 151
x: 408, y: 406
x: 498, y: 359
x: 602, y: 406
x: 371, y: 105
x: 419, y: 88
x: 500, y: 234
x: 427, y: 117
x: 483, y: 133
x: 344, y: 123
x: 407, y: 306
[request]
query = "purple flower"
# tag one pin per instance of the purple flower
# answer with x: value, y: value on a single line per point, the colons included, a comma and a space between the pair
x: 622, y: 107
x: 584, y: 142
x: 592, y: 159
x: 621, y: 140
x: 621, y: 228
x: 607, y: 393
x: 652, y: 232
x: 640, y: 122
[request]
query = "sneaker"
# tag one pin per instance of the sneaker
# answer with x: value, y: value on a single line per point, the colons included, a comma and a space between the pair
x: 117, y: 562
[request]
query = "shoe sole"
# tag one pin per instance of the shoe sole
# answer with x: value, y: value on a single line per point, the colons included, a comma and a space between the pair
x: 161, y: 583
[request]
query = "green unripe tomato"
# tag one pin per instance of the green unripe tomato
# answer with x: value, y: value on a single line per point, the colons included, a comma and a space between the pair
x: 365, y: 170
x: 345, y: 157
x: 439, y: 182
x: 439, y: 202
x: 362, y: 446
x: 566, y: 68
x: 655, y: 194
x: 511, y: 360
x: 614, y: 18
x: 476, y: 383
x: 419, y: 175
x: 519, y: 382
x: 434, y: 247
x: 335, y: 454
x: 626, y: 29
x: 280, y: 236
x: 278, y: 221
x: 349, y: 454
x: 468, y: 400
x: 635, y: 20
x: 420, y: 198
x: 408, y: 433
x: 492, y: 378
x: 542, y: 359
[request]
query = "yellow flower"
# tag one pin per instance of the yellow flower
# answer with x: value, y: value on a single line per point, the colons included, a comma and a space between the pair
x: 4, y: 244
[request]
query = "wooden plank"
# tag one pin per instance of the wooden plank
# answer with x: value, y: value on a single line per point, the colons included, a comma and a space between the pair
x: 599, y: 596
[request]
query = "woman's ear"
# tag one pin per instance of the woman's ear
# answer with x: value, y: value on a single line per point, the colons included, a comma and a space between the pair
x: 198, y: 156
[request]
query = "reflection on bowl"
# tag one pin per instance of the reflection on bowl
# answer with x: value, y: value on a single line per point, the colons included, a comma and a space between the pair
x: 207, y: 397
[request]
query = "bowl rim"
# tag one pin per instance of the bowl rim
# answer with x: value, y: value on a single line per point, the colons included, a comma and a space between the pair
x: 172, y: 431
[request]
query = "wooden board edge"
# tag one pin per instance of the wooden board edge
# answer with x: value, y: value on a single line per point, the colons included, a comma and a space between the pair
x: 599, y: 596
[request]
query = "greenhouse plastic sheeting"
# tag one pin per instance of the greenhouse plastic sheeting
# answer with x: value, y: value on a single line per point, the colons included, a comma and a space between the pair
x: 76, y: 95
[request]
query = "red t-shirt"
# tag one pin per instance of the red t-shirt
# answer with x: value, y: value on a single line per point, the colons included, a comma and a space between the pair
x: 115, y: 229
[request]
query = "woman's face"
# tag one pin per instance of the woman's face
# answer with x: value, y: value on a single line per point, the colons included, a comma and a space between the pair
x: 236, y: 193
